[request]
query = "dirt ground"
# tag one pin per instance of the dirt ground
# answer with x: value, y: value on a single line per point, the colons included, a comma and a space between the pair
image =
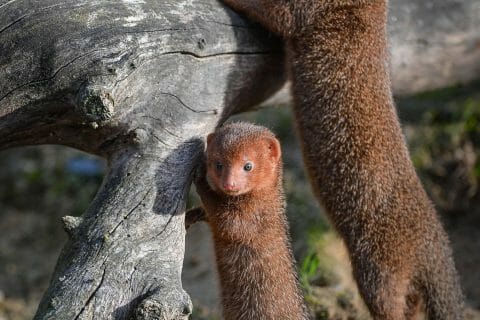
x: 26, y: 262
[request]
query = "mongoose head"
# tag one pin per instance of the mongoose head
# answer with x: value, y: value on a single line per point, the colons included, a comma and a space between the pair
x: 242, y: 158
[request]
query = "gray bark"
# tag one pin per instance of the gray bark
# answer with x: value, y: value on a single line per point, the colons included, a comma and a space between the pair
x: 434, y: 44
x: 141, y: 83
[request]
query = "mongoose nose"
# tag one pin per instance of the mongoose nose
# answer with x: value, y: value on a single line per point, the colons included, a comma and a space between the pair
x: 229, y: 186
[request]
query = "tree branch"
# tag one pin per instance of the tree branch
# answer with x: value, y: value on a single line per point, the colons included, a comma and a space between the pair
x: 139, y: 84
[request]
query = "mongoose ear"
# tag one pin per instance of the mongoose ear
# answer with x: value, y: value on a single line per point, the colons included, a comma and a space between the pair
x: 274, y: 147
x: 210, y: 138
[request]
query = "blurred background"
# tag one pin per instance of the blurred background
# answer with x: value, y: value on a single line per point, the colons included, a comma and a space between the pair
x: 38, y: 185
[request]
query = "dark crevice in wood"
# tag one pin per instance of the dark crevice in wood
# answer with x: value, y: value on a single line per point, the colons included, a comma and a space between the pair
x: 7, y: 3
x: 170, y: 146
x: 163, y: 127
x: 130, y: 212
x: 163, y: 30
x: 49, y: 78
x: 186, y: 106
x: 248, y: 27
x: 92, y: 295
x: 214, y: 55
x: 13, y: 23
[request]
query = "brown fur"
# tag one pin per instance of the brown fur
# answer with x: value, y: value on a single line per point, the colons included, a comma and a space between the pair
x: 357, y: 157
x: 249, y: 228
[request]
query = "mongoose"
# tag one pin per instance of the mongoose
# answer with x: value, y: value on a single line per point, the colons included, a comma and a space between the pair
x: 356, y: 155
x: 243, y: 202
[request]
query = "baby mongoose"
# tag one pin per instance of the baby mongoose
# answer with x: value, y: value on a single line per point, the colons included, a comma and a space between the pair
x: 356, y: 155
x: 242, y: 199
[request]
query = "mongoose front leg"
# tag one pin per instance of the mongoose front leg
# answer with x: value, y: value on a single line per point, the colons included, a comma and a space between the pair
x: 194, y: 215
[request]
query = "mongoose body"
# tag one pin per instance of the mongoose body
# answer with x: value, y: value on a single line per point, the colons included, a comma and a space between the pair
x: 356, y: 155
x: 242, y: 198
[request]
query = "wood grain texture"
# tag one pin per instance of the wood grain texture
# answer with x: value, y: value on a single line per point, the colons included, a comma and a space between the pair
x: 139, y: 83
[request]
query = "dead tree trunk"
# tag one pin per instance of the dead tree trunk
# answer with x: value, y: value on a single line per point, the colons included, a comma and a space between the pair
x: 434, y: 44
x: 139, y: 83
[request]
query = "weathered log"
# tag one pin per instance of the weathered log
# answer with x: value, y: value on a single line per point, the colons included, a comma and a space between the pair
x: 140, y: 83
x: 434, y: 44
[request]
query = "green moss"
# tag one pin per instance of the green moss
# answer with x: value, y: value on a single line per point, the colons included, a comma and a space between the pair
x: 308, y: 268
x: 477, y: 170
x: 318, y: 267
x: 447, y: 93
x: 322, y: 314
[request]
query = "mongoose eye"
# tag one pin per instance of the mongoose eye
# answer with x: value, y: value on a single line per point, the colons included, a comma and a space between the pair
x: 218, y: 165
x: 248, y: 166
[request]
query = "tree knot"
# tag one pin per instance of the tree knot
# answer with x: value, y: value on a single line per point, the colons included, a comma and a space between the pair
x: 164, y: 305
x: 96, y: 103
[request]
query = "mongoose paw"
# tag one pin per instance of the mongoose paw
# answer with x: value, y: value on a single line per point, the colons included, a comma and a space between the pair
x: 200, y: 175
x: 193, y: 215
